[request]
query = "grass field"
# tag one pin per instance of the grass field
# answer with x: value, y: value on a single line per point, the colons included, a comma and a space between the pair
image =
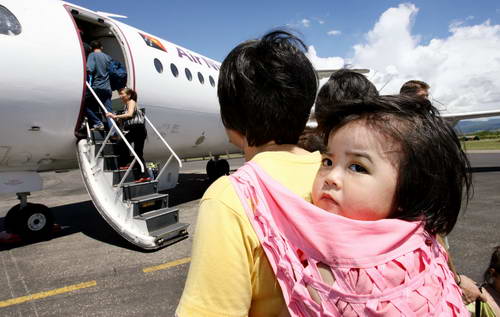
x: 487, y: 144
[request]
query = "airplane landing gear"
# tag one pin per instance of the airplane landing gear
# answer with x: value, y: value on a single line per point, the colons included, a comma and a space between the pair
x: 217, y: 168
x: 30, y: 221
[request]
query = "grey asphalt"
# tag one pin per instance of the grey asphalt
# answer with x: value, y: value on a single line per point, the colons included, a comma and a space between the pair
x: 88, y: 250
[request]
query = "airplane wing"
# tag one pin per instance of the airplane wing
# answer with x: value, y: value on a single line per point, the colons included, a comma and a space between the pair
x: 470, y: 115
x: 326, y: 73
x: 452, y: 118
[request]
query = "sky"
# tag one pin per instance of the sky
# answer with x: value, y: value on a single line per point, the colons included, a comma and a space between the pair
x: 454, y: 45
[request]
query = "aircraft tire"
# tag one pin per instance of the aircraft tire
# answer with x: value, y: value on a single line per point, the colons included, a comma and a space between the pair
x: 212, y: 170
x: 216, y: 169
x: 222, y: 167
x: 34, y: 222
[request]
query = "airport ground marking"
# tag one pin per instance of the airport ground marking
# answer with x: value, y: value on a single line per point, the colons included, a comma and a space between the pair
x: 62, y: 290
x: 166, y: 265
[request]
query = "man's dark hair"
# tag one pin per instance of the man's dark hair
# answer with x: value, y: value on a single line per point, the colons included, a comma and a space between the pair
x: 95, y: 44
x: 433, y: 171
x: 266, y: 89
x: 343, y: 85
x: 412, y: 87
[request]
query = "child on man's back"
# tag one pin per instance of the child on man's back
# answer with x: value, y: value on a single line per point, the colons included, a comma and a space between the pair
x: 394, y: 172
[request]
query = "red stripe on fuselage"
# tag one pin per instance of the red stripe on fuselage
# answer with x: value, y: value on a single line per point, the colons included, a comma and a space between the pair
x: 82, y: 103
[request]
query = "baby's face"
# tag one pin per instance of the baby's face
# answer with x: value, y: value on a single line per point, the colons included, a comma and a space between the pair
x: 358, y: 174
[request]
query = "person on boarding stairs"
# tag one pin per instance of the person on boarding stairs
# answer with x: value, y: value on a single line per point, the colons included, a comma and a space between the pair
x: 97, y: 70
x: 135, y: 133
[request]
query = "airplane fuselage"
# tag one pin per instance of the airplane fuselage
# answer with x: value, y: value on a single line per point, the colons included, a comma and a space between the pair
x: 43, y: 87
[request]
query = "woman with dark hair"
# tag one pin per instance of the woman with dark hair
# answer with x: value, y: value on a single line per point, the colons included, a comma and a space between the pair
x: 342, y: 86
x: 136, y: 133
x: 490, y: 288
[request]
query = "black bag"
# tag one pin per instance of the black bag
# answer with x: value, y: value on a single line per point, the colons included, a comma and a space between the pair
x: 117, y: 75
x: 136, y: 120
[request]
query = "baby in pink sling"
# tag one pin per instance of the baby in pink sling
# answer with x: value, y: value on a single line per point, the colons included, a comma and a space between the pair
x: 391, y: 179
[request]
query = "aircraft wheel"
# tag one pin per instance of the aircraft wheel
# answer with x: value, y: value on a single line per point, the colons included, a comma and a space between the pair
x: 212, y: 170
x: 222, y: 167
x: 35, y: 221
x: 217, y: 168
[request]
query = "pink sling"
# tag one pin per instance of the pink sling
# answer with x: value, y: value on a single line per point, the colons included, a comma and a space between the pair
x: 388, y: 267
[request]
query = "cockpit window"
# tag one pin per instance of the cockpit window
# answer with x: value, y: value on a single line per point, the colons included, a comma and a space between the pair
x: 9, y: 25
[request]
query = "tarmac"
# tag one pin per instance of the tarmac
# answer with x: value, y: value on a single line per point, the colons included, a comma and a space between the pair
x: 87, y: 269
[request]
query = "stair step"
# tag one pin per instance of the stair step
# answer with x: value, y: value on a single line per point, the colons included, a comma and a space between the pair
x: 159, y: 219
x: 118, y: 175
x: 110, y: 162
x: 131, y: 190
x: 98, y: 135
x: 143, y: 204
x: 109, y: 148
x: 171, y: 234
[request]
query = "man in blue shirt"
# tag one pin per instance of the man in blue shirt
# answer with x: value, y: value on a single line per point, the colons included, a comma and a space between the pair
x: 97, y: 70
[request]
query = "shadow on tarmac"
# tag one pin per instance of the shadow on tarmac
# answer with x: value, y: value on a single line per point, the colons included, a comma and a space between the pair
x: 189, y: 187
x: 83, y: 216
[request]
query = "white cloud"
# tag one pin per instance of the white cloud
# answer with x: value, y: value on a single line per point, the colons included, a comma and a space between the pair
x: 462, y: 68
x: 321, y: 21
x: 324, y: 62
x: 334, y: 32
x: 306, y: 22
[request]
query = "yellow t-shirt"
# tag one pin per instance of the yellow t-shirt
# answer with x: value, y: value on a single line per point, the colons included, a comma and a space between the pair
x: 229, y: 273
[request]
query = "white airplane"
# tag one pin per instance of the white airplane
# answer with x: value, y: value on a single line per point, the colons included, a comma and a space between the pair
x: 43, y: 67
x: 43, y: 86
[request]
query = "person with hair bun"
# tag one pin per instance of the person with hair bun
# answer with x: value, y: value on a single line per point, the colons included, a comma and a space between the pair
x: 135, y: 134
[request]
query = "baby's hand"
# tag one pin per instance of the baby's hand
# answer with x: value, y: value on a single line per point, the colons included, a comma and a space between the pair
x: 326, y: 276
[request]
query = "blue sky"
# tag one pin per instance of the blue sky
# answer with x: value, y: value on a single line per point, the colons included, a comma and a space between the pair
x: 212, y: 28
x: 454, y: 45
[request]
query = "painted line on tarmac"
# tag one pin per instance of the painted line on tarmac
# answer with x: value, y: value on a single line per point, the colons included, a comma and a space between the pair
x: 166, y: 265
x: 62, y: 290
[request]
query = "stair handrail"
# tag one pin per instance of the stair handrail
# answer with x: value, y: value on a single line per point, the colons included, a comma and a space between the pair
x: 168, y: 147
x: 86, y: 123
x: 115, y: 126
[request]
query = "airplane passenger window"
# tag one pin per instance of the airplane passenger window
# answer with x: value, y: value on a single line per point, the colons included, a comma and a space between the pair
x: 158, y: 65
x: 174, y: 70
x: 9, y: 25
x: 188, y: 74
x: 200, y: 77
x: 212, y: 81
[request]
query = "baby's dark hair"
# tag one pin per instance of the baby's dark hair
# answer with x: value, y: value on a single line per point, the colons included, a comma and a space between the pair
x: 433, y: 170
x: 494, y: 265
x: 266, y: 89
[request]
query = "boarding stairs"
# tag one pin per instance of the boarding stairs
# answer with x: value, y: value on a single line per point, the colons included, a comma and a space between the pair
x: 137, y: 211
